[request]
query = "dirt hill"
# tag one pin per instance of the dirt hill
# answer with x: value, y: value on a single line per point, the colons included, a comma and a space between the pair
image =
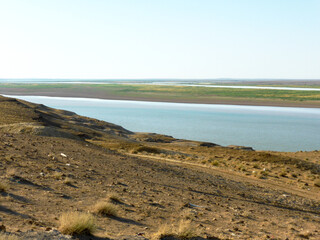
x: 54, y: 161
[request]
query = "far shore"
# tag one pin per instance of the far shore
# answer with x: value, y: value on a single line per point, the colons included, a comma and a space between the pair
x: 211, y: 100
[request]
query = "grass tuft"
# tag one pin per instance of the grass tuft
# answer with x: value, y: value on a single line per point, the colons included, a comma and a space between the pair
x: 3, y: 187
x: 105, y: 208
x: 114, y: 198
x: 77, y: 223
x: 184, y: 231
x: 145, y: 149
x: 67, y: 181
x: 57, y: 175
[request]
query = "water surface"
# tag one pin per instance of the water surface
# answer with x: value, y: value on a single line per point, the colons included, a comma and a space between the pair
x: 263, y: 128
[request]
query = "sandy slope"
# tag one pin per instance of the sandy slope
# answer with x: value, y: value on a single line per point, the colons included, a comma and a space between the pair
x: 154, y: 189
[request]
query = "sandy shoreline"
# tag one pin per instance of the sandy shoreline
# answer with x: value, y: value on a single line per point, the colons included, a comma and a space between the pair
x: 212, y: 100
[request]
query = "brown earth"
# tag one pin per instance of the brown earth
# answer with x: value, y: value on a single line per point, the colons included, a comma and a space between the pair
x: 54, y: 161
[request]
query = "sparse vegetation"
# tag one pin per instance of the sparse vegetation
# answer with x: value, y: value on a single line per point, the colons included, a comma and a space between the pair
x: 57, y: 175
x: 11, y: 172
x: 4, y: 236
x: 113, y: 197
x: 67, y: 181
x: 146, y: 149
x: 283, y: 174
x: 184, y: 231
x: 3, y: 187
x: 215, y: 163
x: 170, y: 92
x: 105, y: 208
x: 77, y: 223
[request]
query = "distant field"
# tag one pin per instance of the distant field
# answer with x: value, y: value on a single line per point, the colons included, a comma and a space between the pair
x: 200, y: 92
x: 160, y: 92
x: 268, y: 85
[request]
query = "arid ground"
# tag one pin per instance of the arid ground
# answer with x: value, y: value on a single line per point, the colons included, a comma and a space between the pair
x: 54, y: 161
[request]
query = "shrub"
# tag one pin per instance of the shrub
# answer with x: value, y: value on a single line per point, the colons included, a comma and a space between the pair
x: 105, y: 208
x: 77, y: 223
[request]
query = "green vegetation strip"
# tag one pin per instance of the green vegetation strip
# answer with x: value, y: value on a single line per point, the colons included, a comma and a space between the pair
x: 172, y: 92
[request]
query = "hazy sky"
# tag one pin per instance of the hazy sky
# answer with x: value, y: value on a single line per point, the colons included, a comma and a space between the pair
x: 159, y: 38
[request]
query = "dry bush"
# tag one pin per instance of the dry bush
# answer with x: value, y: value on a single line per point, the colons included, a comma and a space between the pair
x: 77, y: 223
x: 105, y: 208
x: 4, y: 236
x: 184, y: 231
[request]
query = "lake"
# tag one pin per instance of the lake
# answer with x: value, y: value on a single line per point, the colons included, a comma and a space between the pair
x: 260, y: 127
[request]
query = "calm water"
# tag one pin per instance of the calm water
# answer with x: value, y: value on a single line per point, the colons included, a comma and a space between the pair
x: 263, y: 128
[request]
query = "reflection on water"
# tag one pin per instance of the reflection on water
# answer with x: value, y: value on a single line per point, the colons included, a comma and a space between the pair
x: 263, y: 128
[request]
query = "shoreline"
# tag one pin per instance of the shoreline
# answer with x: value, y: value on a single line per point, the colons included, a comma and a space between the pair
x: 213, y: 100
x: 135, y: 106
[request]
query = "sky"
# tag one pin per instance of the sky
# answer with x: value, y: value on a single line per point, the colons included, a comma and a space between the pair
x: 143, y: 39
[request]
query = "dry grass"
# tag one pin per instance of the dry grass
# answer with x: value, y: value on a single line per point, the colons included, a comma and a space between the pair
x: 4, y: 236
x: 105, y: 208
x: 113, y: 197
x: 3, y: 187
x: 184, y: 231
x: 57, y: 175
x: 77, y: 223
x: 215, y: 163
x: 11, y: 172
x: 146, y: 149
x: 67, y: 181
x: 317, y: 183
